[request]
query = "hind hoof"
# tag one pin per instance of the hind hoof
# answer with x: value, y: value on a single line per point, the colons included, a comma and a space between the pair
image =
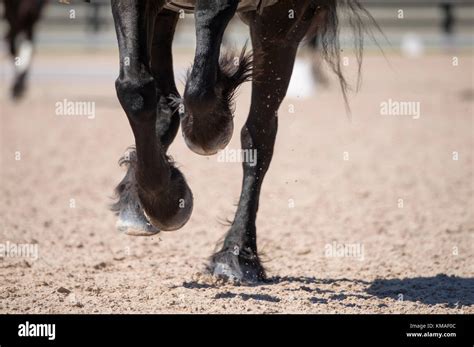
x: 231, y: 265
x: 208, y: 141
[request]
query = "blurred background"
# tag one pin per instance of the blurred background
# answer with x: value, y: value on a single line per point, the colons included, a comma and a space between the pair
x: 411, y: 28
x: 432, y: 23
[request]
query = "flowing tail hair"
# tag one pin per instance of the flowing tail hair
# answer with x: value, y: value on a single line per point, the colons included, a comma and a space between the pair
x: 326, y: 29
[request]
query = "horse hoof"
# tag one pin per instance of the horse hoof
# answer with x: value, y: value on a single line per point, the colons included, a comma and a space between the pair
x: 209, y: 141
x: 132, y: 228
x: 146, y: 213
x: 179, y: 219
x: 231, y: 265
x: 133, y: 222
x: 174, y: 212
x: 226, y: 271
x: 199, y: 149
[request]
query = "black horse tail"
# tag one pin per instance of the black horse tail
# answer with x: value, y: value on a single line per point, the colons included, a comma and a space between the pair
x: 326, y: 30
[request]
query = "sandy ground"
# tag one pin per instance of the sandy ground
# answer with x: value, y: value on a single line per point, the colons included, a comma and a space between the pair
x: 414, y: 255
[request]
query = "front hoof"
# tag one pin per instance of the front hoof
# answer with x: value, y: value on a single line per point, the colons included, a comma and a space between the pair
x: 131, y: 217
x: 145, y: 213
x: 171, y: 212
x: 236, y: 266
x: 128, y: 208
x: 136, y: 225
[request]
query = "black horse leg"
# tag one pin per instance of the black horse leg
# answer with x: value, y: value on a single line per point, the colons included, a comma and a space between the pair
x: 207, y: 123
x: 274, y: 55
x: 167, y: 122
x: 154, y: 194
x: 238, y: 257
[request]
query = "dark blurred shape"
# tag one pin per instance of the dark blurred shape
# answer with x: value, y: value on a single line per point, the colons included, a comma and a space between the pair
x: 448, y: 19
x: 22, y: 16
x: 93, y: 18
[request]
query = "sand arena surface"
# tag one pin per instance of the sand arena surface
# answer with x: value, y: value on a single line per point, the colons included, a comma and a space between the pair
x: 410, y: 256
